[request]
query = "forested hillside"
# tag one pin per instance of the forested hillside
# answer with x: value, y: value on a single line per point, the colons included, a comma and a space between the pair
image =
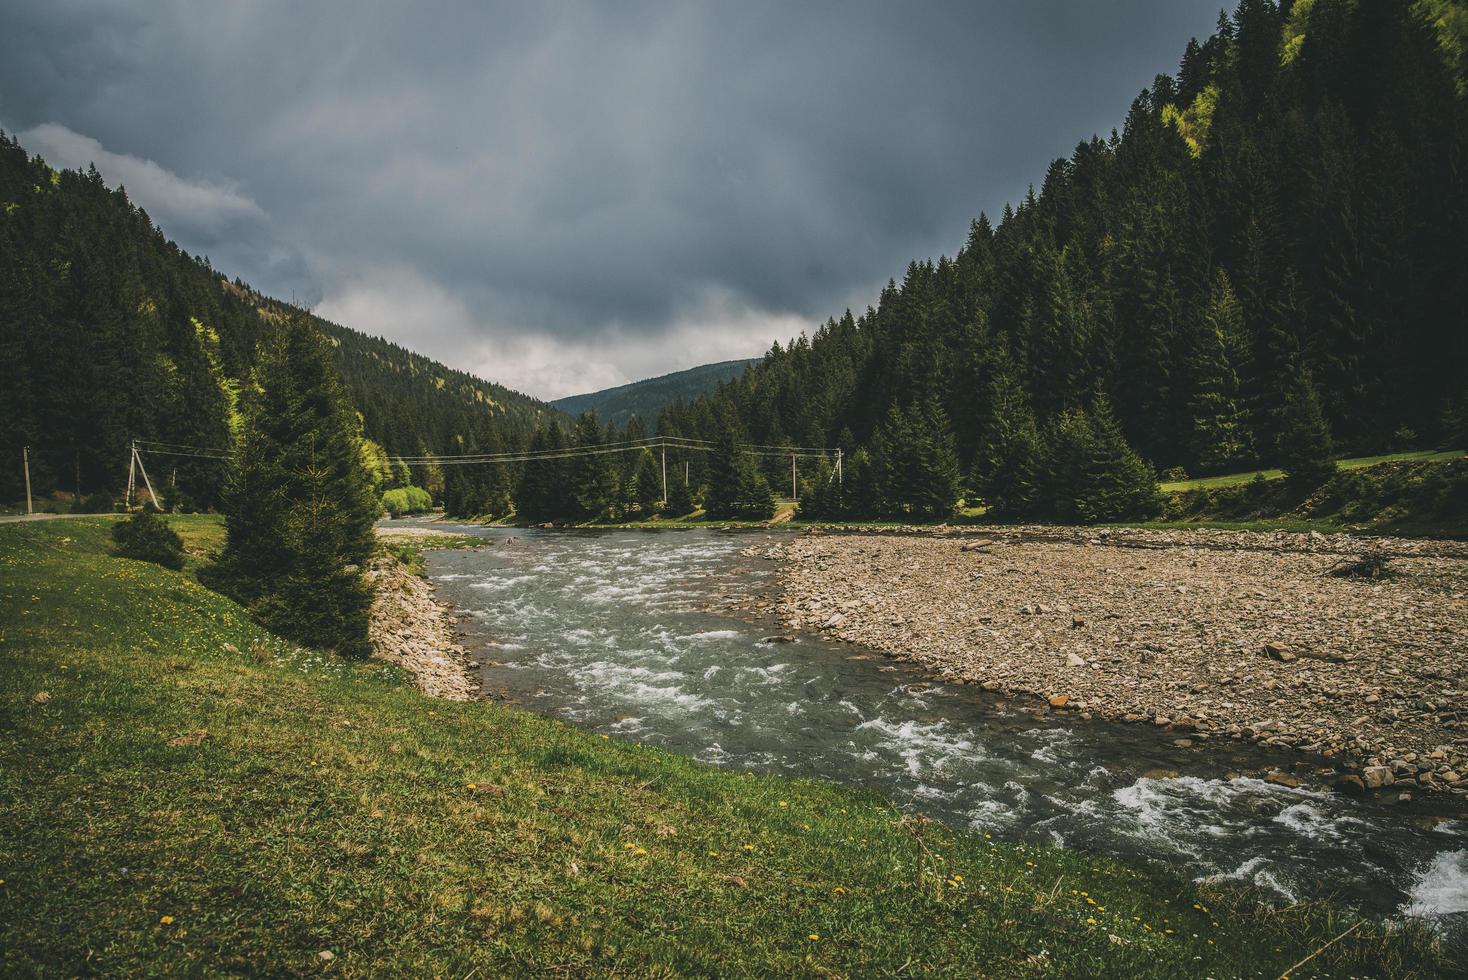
x: 1270, y: 257
x: 109, y: 331
x: 647, y: 398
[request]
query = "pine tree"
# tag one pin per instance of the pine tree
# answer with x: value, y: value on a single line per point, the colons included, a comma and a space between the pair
x: 937, y: 478
x: 647, y: 483
x: 1118, y: 484
x: 680, y: 499
x: 299, y: 507
x: 1007, y: 465
x: 1221, y: 441
x: 737, y: 489
x: 1305, y: 445
x: 593, y: 477
x: 544, y: 492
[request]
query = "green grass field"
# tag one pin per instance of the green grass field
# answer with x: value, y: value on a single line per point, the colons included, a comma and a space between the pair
x: 181, y: 793
x: 1355, y: 463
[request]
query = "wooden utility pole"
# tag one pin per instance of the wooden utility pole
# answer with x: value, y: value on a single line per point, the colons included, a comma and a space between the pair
x: 665, y: 474
x: 839, y: 477
x: 132, y: 474
x: 144, y: 470
x: 792, y: 476
x: 25, y: 463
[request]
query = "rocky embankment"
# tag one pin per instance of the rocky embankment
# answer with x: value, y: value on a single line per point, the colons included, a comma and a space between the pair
x: 415, y: 631
x: 1206, y: 634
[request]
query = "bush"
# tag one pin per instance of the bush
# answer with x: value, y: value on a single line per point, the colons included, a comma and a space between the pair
x: 95, y: 503
x: 145, y: 537
x: 407, y: 500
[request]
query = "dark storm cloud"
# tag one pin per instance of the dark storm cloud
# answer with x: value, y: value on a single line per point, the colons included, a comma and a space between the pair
x: 565, y: 195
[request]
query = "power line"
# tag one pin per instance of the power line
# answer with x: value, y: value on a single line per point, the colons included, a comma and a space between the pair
x: 160, y: 448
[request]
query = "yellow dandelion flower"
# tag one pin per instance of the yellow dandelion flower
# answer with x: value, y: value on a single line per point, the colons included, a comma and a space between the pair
x: 713, y: 854
x: 749, y: 847
x: 783, y: 803
x: 838, y: 890
x: 1090, y: 922
x: 473, y: 786
x: 814, y: 937
x: 167, y: 920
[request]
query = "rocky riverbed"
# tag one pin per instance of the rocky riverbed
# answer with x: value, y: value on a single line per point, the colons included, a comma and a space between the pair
x: 1206, y: 634
x: 414, y: 630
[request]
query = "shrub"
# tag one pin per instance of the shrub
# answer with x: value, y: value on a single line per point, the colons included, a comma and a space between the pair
x: 407, y: 500
x: 95, y: 503
x: 145, y: 537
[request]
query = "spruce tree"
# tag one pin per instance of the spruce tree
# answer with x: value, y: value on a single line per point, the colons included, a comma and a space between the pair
x: 1304, y: 440
x: 1007, y: 465
x: 937, y: 478
x: 680, y: 499
x: 593, y: 477
x: 544, y: 491
x: 647, y: 483
x: 1221, y: 441
x: 737, y: 489
x: 299, y: 507
x: 1117, y: 483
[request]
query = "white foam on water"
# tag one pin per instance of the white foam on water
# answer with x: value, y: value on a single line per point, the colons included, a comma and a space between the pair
x: 1052, y: 741
x: 1256, y: 871
x: 1311, y: 821
x: 921, y: 745
x: 708, y: 675
x: 715, y: 635
x: 1441, y: 888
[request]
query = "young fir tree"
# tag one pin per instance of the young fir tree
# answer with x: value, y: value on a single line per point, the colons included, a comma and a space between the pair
x: 647, y: 483
x: 1007, y: 461
x: 737, y: 489
x: 1118, y: 484
x: 680, y: 499
x: 1221, y: 441
x: 544, y: 491
x: 593, y: 477
x: 936, y: 486
x: 1304, y: 439
x: 299, y: 506
x: 1063, y: 473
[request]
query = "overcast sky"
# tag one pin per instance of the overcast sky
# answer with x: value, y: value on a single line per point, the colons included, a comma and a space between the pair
x: 568, y: 196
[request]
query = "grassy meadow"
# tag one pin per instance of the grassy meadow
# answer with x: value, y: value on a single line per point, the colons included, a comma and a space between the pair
x: 182, y: 793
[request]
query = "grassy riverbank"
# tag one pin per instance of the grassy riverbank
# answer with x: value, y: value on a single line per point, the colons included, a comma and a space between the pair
x: 192, y: 795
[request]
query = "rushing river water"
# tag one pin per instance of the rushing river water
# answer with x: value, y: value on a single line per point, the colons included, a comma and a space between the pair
x: 610, y: 630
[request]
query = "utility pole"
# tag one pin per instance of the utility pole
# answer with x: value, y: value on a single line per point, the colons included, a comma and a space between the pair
x: 665, y: 473
x: 132, y: 473
x: 144, y: 470
x: 840, y: 478
x: 792, y: 476
x: 685, y: 472
x: 25, y: 463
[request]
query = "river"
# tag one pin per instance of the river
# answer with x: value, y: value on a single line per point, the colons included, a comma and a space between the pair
x: 611, y: 630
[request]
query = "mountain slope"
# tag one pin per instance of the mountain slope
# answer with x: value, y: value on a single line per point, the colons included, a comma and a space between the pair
x: 646, y: 399
x: 1286, y: 214
x: 111, y: 331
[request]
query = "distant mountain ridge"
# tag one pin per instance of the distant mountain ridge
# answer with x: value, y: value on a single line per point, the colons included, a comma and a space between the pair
x: 647, y: 398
